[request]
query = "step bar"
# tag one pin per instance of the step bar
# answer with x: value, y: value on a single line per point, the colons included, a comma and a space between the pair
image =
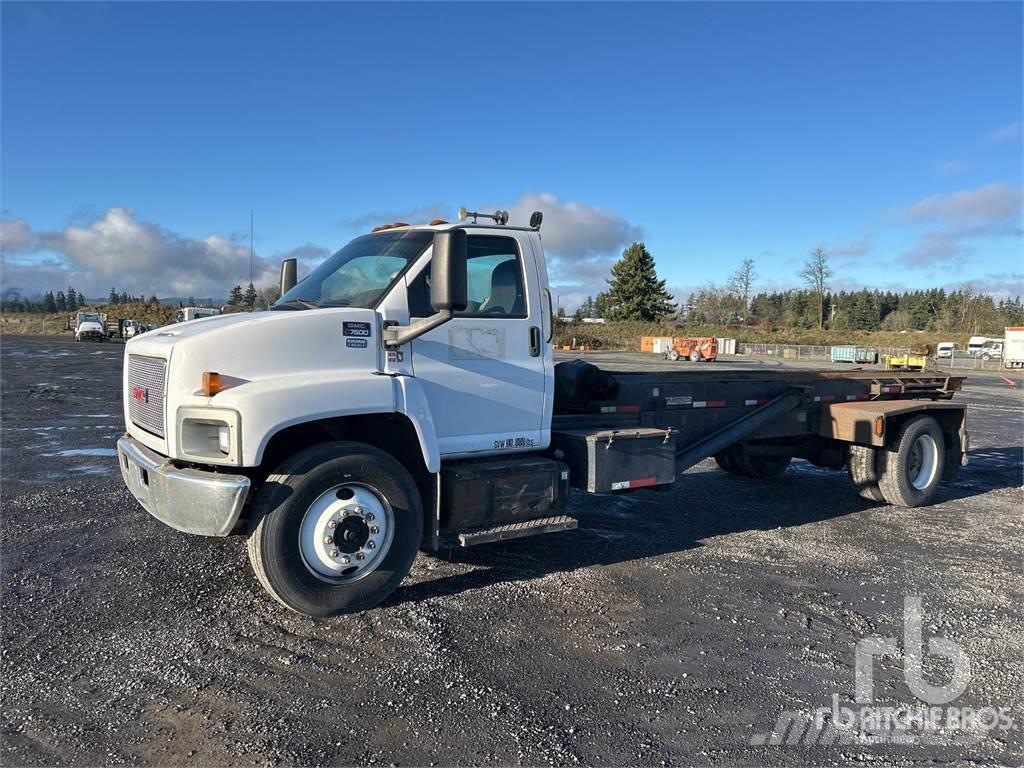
x: 517, y: 530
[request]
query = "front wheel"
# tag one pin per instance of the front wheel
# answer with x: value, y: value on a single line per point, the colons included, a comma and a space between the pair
x: 339, y: 527
x: 911, y: 469
x: 696, y: 356
x: 673, y: 355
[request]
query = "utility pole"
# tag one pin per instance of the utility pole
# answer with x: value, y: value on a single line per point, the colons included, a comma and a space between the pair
x: 250, y: 247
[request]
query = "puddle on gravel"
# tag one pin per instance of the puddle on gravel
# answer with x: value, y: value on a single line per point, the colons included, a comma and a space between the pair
x: 91, y: 469
x: 85, y: 452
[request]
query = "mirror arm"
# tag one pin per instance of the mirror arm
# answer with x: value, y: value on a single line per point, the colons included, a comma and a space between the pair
x: 397, y: 335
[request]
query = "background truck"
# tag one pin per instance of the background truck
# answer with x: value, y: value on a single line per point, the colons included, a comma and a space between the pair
x: 1013, y: 348
x: 90, y: 326
x: 404, y: 396
x: 186, y: 314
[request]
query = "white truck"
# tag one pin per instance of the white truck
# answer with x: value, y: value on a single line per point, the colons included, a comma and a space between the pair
x: 90, y: 326
x: 1013, y: 348
x: 186, y: 314
x: 404, y: 396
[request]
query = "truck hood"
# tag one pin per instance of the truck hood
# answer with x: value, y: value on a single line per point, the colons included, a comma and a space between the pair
x: 89, y: 325
x: 258, y: 344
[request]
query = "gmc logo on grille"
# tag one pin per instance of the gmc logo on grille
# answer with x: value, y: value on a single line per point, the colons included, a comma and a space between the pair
x: 141, y: 394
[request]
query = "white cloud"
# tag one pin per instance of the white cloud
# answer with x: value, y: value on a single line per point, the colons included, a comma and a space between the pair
x: 1005, y: 133
x: 993, y: 201
x: 851, y: 250
x: 574, y: 230
x: 16, y: 236
x: 117, y: 249
x: 960, y: 219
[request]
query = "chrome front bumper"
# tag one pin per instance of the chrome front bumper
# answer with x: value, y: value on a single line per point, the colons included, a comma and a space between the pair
x: 190, y: 500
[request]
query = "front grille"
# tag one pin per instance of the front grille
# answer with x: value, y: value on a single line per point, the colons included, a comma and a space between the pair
x: 146, y: 392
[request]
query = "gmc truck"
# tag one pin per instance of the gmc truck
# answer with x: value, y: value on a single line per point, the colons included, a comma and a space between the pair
x: 404, y: 396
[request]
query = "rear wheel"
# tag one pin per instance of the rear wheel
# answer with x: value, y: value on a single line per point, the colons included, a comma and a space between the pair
x: 696, y: 356
x: 764, y: 467
x: 339, y: 527
x: 727, y: 462
x: 911, y: 469
x: 863, y: 466
x: 673, y: 354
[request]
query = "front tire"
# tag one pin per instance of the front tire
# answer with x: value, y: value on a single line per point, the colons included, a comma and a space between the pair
x: 911, y: 469
x: 696, y: 356
x: 673, y: 355
x: 339, y: 527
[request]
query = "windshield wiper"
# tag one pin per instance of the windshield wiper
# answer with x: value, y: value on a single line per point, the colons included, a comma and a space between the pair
x: 296, y: 304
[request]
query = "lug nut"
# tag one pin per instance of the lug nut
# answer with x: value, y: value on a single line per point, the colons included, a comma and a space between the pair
x: 328, y: 539
x: 369, y: 515
x: 358, y: 510
x: 360, y: 556
x: 370, y: 545
x: 345, y: 560
x: 334, y: 553
x: 332, y: 524
x: 374, y: 529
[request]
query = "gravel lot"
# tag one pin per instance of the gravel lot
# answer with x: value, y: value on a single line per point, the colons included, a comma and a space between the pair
x: 671, y: 628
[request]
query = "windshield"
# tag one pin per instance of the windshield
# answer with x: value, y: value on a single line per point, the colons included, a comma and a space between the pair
x: 360, y: 273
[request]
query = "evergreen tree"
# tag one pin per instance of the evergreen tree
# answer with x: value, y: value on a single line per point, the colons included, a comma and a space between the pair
x: 634, y: 290
x: 113, y: 298
x: 154, y: 301
x: 72, y: 299
x: 49, y: 303
x: 235, y: 297
x: 585, y: 309
x: 125, y: 298
x: 250, y: 297
x: 61, y: 302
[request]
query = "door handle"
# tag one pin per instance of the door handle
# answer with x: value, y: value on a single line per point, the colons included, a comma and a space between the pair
x: 534, y: 341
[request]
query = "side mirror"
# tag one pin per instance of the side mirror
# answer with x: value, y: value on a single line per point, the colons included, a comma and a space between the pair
x: 447, y: 288
x: 448, y: 271
x: 288, y: 274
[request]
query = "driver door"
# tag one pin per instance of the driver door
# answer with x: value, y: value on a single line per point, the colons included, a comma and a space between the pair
x: 483, y: 371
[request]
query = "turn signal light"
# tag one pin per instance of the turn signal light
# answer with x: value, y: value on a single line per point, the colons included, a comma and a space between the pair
x: 879, y: 425
x: 211, y: 383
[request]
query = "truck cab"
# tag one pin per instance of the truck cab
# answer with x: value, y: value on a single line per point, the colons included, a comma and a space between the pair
x: 403, y: 395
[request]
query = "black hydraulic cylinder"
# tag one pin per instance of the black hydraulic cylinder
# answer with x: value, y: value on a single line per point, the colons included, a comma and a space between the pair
x: 737, y: 430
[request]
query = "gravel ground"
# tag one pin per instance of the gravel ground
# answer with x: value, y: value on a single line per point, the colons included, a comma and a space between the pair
x: 671, y: 628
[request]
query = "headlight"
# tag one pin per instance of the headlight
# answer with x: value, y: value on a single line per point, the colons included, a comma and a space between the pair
x: 209, y: 435
x: 224, y: 439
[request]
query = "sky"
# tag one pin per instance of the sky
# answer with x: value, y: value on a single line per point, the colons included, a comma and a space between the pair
x: 135, y: 138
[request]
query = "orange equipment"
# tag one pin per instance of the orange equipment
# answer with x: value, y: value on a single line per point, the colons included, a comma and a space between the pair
x: 694, y: 350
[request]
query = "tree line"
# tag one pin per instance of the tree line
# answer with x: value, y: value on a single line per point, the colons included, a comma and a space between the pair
x: 636, y: 293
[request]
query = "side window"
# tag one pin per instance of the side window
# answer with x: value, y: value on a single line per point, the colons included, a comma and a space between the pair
x: 494, y: 281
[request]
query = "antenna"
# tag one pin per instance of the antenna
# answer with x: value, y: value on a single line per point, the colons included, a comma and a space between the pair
x: 250, y: 246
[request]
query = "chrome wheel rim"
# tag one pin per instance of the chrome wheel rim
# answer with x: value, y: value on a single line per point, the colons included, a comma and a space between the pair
x: 923, y: 462
x: 346, y: 533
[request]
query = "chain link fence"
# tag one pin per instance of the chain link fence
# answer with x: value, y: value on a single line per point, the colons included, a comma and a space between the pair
x: 815, y: 353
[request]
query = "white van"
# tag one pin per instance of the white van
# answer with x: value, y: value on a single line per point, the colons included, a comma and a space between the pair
x: 945, y: 349
x: 976, y: 343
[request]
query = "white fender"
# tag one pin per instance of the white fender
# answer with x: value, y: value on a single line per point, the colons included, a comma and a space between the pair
x: 411, y: 401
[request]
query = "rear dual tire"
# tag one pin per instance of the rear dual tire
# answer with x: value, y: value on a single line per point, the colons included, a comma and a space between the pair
x: 908, y: 472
